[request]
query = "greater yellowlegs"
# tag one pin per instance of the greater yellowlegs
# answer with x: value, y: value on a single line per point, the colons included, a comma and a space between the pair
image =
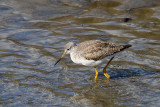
x: 92, y: 53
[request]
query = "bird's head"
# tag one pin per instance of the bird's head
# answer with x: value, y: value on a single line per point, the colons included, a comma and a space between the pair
x: 67, y: 50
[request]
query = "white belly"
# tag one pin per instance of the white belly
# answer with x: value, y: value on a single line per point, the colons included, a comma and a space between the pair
x: 82, y: 61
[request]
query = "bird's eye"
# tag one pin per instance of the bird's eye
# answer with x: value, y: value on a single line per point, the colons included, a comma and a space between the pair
x: 67, y: 49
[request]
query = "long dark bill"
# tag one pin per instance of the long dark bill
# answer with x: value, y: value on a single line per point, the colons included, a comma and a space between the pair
x: 57, y: 61
x: 60, y: 58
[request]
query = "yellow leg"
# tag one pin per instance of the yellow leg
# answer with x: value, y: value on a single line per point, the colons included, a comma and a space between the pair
x: 104, y: 69
x: 96, y: 73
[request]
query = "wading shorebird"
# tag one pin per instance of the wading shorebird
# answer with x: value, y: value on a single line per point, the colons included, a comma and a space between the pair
x: 92, y: 53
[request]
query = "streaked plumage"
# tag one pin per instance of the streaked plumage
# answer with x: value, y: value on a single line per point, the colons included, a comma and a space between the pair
x: 97, y: 49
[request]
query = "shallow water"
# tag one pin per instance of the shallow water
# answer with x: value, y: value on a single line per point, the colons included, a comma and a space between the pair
x: 32, y: 36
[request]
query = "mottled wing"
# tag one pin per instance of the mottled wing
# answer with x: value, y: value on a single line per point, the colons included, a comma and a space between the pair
x: 97, y: 49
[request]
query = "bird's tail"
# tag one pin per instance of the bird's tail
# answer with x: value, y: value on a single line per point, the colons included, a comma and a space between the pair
x: 126, y: 46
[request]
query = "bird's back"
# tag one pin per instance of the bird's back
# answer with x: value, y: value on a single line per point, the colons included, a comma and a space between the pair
x: 97, y: 49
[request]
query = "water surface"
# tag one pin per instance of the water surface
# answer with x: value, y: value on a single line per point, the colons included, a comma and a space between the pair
x: 32, y: 36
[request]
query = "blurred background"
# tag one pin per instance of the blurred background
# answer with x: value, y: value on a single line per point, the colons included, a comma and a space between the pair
x: 32, y: 36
